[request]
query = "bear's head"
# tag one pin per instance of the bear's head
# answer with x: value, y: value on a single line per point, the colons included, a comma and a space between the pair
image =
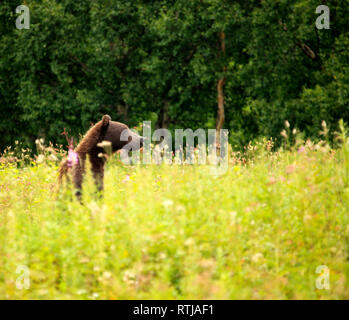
x: 119, y: 135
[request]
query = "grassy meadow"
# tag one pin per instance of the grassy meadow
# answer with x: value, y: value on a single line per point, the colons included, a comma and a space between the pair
x: 259, y: 231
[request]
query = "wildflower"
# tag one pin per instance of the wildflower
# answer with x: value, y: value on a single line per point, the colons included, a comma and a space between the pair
x: 81, y: 291
x: 272, y: 180
x: 301, y: 149
x: 73, y: 158
x: 287, y: 124
x: 233, y: 215
x: 282, y: 178
x: 129, y: 277
x: 95, y: 295
x: 52, y: 157
x: 162, y: 255
x: 107, y: 275
x: 167, y: 203
x: 290, y: 169
x: 189, y: 242
x: 40, y: 158
x: 256, y: 257
x: 103, y: 144
x: 283, y: 133
x: 127, y: 178
x: 106, y: 145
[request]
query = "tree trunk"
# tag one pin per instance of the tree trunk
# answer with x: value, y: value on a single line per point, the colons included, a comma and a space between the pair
x: 220, y: 93
x: 163, y: 116
x: 123, y: 112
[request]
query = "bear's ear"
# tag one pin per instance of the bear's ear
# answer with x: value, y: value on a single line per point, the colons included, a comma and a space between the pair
x: 105, y: 120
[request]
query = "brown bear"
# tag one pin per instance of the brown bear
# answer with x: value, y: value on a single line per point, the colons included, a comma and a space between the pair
x: 104, y: 130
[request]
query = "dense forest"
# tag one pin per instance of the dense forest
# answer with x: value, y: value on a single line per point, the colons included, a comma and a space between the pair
x: 246, y: 66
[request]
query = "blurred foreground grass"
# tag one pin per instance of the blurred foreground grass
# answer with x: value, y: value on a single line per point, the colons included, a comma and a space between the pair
x: 162, y: 232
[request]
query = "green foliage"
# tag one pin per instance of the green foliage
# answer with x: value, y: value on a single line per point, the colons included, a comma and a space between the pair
x: 136, y: 59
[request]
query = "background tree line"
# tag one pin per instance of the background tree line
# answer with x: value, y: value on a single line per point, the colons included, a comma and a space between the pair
x: 244, y: 65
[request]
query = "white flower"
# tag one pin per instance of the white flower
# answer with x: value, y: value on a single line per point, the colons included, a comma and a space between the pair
x: 256, y: 257
x: 167, y: 203
x: 40, y: 158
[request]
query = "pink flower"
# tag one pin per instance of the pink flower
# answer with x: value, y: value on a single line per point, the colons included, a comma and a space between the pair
x: 290, y: 169
x: 73, y: 158
x: 127, y: 178
x: 301, y: 149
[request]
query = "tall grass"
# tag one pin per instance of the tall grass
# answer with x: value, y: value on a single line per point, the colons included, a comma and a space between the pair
x: 161, y: 232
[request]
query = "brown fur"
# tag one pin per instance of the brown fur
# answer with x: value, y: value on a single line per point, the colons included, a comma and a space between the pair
x: 103, y: 130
